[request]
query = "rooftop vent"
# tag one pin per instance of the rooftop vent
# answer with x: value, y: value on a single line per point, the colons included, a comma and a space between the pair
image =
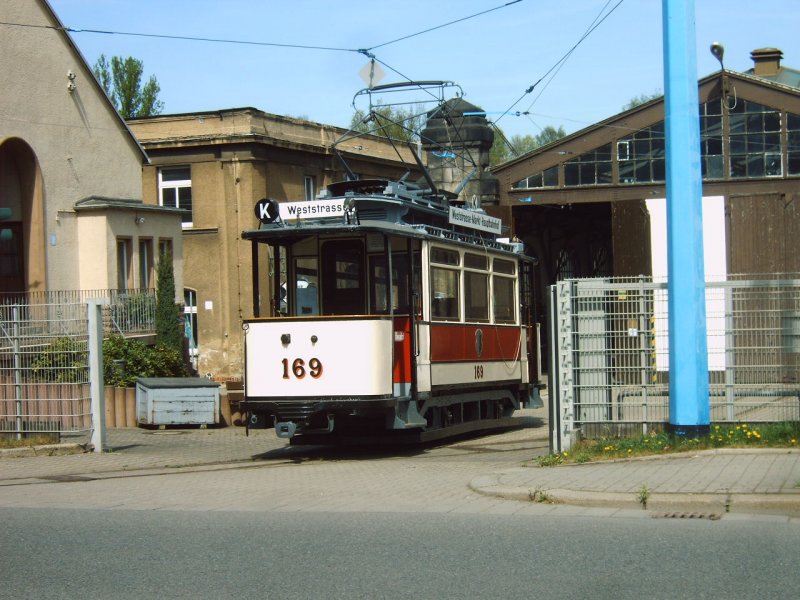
x: 766, y: 61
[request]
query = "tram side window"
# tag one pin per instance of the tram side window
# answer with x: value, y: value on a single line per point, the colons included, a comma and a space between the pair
x: 306, y: 287
x: 503, y: 294
x: 476, y: 288
x: 444, y: 285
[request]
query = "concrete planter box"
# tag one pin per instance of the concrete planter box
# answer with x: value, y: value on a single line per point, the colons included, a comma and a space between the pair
x: 177, y: 401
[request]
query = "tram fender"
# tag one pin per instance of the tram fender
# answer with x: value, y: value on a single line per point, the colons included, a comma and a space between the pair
x: 406, y: 416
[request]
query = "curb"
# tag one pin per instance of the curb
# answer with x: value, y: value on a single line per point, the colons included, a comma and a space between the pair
x: 44, y: 450
x: 703, y: 503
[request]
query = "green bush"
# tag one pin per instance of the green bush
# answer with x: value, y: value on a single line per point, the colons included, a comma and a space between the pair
x: 66, y: 360
x: 124, y: 360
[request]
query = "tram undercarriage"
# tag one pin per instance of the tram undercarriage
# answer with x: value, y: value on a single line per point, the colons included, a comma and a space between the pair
x: 443, y: 414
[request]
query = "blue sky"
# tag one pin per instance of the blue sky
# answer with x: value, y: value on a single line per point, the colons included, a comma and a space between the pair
x: 493, y: 57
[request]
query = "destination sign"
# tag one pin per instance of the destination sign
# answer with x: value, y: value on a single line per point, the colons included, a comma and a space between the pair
x: 268, y: 210
x: 475, y: 220
x: 311, y: 209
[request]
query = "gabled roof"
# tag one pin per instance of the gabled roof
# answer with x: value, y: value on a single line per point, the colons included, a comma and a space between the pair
x: 64, y: 32
x: 778, y: 84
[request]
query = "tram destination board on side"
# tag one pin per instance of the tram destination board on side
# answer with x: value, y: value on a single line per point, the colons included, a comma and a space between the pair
x: 475, y: 220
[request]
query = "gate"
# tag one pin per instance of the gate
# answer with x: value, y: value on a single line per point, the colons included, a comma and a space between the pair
x: 609, y: 355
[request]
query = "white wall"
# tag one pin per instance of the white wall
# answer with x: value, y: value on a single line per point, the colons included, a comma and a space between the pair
x: 715, y: 265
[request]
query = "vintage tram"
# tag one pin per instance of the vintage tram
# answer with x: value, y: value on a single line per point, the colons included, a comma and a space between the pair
x: 393, y: 310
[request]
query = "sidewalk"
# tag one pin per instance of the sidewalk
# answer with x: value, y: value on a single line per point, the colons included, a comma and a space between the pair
x: 134, y: 450
x: 707, y: 483
x: 700, y: 484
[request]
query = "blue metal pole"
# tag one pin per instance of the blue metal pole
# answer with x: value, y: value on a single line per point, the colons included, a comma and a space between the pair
x: 688, y: 352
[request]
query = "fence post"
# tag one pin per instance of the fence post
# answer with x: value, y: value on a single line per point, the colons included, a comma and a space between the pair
x: 562, y: 331
x: 17, y: 372
x: 644, y: 359
x: 95, y: 317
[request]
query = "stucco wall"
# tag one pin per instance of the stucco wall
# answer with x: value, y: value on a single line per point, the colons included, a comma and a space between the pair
x: 81, y: 146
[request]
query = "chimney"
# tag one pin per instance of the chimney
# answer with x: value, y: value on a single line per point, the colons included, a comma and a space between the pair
x: 457, y: 139
x: 767, y: 61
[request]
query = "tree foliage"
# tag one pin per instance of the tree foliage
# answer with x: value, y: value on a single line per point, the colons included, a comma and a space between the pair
x: 168, y: 314
x: 122, y: 82
x: 389, y: 121
x: 504, y: 149
x: 641, y: 99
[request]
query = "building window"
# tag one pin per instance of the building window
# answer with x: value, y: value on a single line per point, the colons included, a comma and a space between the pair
x: 793, y: 139
x: 711, y: 139
x: 175, y: 190
x: 546, y: 178
x: 124, y: 271
x: 592, y: 168
x: 310, y: 188
x: 146, y: 264
x: 642, y: 156
x: 164, y: 247
x: 755, y: 141
x: 190, y: 322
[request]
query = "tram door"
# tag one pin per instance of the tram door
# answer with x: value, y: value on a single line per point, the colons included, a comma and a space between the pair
x: 342, y: 281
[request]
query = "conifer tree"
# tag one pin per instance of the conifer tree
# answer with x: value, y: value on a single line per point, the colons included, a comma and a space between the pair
x: 168, y: 315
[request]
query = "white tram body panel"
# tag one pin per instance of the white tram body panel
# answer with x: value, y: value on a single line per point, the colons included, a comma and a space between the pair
x: 289, y: 358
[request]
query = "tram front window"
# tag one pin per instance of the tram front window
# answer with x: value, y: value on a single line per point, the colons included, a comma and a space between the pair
x: 343, y: 278
x: 378, y: 285
x: 306, y: 287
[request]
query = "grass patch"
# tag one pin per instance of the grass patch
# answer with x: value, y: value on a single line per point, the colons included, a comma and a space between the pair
x: 763, y: 435
x: 11, y: 441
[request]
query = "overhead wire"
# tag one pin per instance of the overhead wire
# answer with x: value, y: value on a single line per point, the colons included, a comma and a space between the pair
x: 561, y: 60
x: 406, y: 37
x: 368, y: 52
x: 589, y: 29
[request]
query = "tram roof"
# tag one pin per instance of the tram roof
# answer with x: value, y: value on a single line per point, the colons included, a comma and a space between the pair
x: 396, y: 208
x: 292, y: 233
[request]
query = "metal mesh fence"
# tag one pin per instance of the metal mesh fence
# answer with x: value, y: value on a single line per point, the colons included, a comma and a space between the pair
x: 611, y: 352
x: 44, y: 361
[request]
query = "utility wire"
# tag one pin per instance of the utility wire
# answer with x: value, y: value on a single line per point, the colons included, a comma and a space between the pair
x: 569, y: 54
x: 562, y: 59
x: 400, y: 39
x: 364, y: 51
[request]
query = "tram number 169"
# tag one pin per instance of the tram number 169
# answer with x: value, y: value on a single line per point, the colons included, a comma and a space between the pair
x: 299, y: 369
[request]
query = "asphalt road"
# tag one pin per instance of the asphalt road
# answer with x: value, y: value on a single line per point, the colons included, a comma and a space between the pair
x: 111, y: 554
x: 364, y: 523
